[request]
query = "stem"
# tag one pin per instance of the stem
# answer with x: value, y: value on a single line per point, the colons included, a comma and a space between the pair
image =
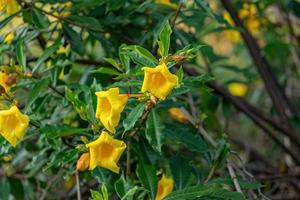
x: 234, y: 178
x: 78, y: 185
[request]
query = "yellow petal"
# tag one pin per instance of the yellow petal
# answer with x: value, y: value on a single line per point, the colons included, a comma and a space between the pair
x: 105, y: 152
x: 12, y: 7
x: 167, y: 3
x: 165, y: 187
x: 13, y: 125
x: 110, y: 104
x: 159, y: 81
x: 84, y: 162
x: 9, y: 38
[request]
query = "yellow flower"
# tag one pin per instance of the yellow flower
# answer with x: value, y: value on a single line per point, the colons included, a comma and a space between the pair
x: 10, y: 6
x: 178, y: 114
x: 159, y: 81
x: 84, y: 162
x: 64, y: 50
x: 9, y: 38
x: 110, y: 104
x: 4, y: 79
x: 13, y: 125
x: 238, y: 89
x: 105, y: 152
x: 165, y: 187
x: 167, y: 3
x: 249, y: 15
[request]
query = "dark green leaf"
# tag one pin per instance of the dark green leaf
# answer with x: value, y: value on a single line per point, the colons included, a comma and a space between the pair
x: 106, y: 70
x: 154, y: 131
x: 181, y: 171
x: 133, y: 116
x: 46, y: 54
x: 75, y: 39
x: 140, y: 55
x: 211, y: 192
x: 147, y: 176
x: 56, y: 131
x: 21, y: 57
x: 164, y: 40
x: 182, y: 134
x: 38, y: 87
x: 39, y: 19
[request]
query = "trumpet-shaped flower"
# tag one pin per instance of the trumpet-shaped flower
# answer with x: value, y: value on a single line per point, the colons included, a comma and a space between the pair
x: 159, y: 81
x: 84, y: 162
x: 110, y: 104
x: 10, y: 6
x: 13, y: 125
x: 4, y: 79
x: 178, y: 115
x: 105, y: 152
x: 165, y: 187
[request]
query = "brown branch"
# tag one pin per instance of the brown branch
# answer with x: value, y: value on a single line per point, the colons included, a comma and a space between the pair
x: 279, y: 99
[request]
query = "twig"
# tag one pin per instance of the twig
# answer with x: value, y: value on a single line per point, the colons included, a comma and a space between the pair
x: 78, y: 185
x: 128, y: 158
x: 49, y: 185
x: 234, y: 178
x: 176, y: 15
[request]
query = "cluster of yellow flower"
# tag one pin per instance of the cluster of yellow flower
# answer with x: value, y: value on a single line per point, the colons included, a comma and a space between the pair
x: 249, y: 15
x: 106, y: 151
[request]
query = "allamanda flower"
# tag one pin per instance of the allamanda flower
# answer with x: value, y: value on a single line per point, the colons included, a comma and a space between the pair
x: 84, y: 162
x: 165, y: 187
x: 110, y: 104
x: 105, y: 152
x: 159, y: 81
x: 9, y: 6
x: 13, y: 125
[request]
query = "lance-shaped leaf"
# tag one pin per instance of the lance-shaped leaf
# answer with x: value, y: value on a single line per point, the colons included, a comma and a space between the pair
x: 154, y: 130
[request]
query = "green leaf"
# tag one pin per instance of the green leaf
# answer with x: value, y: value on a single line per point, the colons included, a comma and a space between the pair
x: 4, y: 188
x: 46, y: 54
x: 7, y: 19
x: 184, y: 135
x: 226, y: 180
x: 140, y: 55
x: 39, y: 19
x: 121, y: 187
x: 181, y: 171
x: 95, y: 195
x: 56, y: 131
x: 38, y: 87
x: 106, y: 70
x: 75, y: 39
x: 125, y: 60
x: 129, y: 195
x: 148, y: 178
x: 104, y: 191
x: 133, y: 116
x: 154, y: 131
x: 204, y: 192
x: 84, y: 21
x: 180, y: 74
x: 164, y: 40
x: 21, y: 57
x: 197, y: 81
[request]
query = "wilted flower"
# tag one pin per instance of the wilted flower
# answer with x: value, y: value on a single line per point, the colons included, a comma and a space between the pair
x: 110, y: 104
x: 159, y: 81
x: 165, y: 187
x: 13, y: 125
x: 178, y: 114
x: 105, y: 152
x: 83, y: 162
